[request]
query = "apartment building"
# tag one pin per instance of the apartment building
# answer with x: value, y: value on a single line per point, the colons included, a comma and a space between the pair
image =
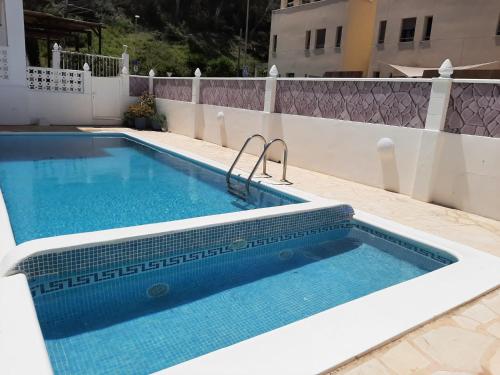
x: 401, y: 38
x: 315, y: 38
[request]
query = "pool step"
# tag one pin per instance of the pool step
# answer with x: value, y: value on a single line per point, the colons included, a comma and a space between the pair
x: 240, y: 193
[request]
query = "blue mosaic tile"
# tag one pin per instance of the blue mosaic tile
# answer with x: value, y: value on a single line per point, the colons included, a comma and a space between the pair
x: 106, y: 256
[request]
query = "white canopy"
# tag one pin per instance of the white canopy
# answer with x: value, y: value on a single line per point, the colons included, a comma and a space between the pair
x: 415, y: 71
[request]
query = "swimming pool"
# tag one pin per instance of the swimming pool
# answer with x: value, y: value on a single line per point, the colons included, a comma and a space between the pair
x: 105, y: 286
x: 160, y: 312
x: 57, y: 184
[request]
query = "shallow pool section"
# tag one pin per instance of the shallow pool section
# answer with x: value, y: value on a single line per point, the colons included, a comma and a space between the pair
x: 55, y: 184
x: 141, y: 318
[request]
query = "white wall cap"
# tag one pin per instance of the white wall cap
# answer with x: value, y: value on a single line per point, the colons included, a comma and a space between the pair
x: 151, y: 73
x: 446, y: 69
x: 197, y: 73
x: 86, y: 67
x: 273, y: 72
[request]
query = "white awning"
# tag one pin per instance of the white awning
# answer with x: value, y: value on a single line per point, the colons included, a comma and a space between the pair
x: 415, y: 71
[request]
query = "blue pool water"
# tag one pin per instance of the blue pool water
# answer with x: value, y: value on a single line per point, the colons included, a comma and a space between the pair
x: 63, y: 184
x: 119, y: 327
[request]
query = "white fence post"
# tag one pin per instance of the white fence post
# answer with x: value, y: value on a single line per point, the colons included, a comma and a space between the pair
x: 87, y: 79
x: 196, y: 87
x: 151, y: 78
x: 56, y: 56
x: 270, y: 95
x: 125, y: 59
x: 430, y: 141
x: 440, y: 96
x: 125, y: 85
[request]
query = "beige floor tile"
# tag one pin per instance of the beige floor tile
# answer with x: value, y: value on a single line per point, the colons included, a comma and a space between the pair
x: 479, y: 313
x: 404, y: 359
x: 494, y: 329
x: 371, y: 367
x: 493, y: 303
x: 466, y: 323
x: 494, y: 363
x: 455, y: 348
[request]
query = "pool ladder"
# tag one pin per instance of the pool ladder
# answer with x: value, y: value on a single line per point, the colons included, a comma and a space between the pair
x: 262, y: 159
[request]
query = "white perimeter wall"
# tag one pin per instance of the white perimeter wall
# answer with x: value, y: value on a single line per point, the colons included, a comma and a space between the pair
x: 466, y: 168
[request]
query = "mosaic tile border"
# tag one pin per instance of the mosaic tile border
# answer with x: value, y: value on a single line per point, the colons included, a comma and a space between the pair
x: 435, y: 254
x: 93, y: 258
x: 45, y: 287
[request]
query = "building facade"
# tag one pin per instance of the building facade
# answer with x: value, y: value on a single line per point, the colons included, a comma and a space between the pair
x: 322, y: 37
x: 383, y: 37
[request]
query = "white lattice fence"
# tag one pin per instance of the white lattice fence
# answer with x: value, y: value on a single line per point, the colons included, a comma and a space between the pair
x: 57, y: 80
x: 4, y: 63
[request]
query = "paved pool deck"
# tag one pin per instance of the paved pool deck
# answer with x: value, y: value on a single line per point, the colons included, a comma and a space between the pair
x: 463, y: 341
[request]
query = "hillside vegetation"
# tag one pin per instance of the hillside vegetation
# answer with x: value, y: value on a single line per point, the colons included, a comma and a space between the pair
x: 175, y: 36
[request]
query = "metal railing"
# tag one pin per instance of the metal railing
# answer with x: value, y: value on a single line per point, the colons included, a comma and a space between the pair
x: 100, y: 65
x: 262, y: 158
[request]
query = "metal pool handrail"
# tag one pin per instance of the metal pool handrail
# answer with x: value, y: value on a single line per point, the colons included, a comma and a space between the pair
x: 263, y: 157
x: 229, y: 173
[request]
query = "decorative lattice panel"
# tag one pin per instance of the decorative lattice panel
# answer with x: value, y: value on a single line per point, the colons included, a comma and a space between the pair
x: 382, y: 102
x: 173, y: 88
x: 138, y: 85
x: 246, y: 94
x: 56, y: 80
x: 4, y: 64
x: 474, y: 109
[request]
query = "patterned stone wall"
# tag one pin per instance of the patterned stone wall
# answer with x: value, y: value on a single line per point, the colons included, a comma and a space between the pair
x: 4, y: 63
x: 246, y: 94
x: 138, y: 85
x: 474, y: 109
x: 173, y: 89
x: 391, y: 103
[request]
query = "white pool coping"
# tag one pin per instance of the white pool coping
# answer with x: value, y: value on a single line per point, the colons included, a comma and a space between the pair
x: 309, y: 346
x: 22, y: 348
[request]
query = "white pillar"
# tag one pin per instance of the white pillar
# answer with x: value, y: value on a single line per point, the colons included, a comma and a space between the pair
x: 125, y: 59
x: 125, y: 88
x: 196, y: 87
x: 430, y: 141
x: 270, y: 95
x: 151, y: 78
x: 440, y: 96
x: 87, y: 79
x: 56, y: 56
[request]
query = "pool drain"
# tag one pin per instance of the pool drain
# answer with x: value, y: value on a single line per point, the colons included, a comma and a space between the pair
x: 158, y: 290
x: 286, y: 254
x: 239, y: 244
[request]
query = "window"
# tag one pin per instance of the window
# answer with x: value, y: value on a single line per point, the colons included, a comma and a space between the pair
x: 320, y: 38
x: 427, y: 28
x: 498, y: 27
x: 408, y: 29
x: 289, y: 4
x: 338, y: 37
x: 381, y: 32
x: 275, y: 43
x: 290, y: 75
x: 376, y: 74
x: 308, y: 39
